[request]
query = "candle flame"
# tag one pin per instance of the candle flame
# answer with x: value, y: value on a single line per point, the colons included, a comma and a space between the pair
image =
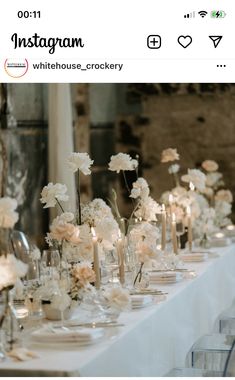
x: 163, y: 208
x: 188, y: 210
x: 93, y: 232
x: 230, y: 227
x: 171, y: 198
x: 191, y: 186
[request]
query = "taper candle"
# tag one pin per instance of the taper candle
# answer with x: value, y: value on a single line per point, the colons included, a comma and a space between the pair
x: 190, y: 232
x: 120, y: 252
x: 163, y: 242
x: 171, y: 198
x: 96, y: 258
x: 173, y: 233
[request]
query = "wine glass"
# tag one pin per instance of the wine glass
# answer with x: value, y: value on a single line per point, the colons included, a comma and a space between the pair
x: 50, y: 265
x: 112, y: 263
x: 180, y: 230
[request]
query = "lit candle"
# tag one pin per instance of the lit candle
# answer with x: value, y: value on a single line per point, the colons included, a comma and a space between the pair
x: 173, y: 233
x: 191, y: 186
x: 219, y: 235
x: 96, y: 258
x: 163, y: 246
x: 120, y: 252
x: 190, y: 232
x: 171, y: 198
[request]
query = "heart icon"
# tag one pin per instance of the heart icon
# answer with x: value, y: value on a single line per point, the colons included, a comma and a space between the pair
x: 185, y: 41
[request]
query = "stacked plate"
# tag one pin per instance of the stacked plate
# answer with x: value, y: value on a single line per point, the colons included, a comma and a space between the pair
x: 165, y: 277
x: 220, y: 242
x: 81, y: 336
x: 138, y: 300
x: 194, y: 257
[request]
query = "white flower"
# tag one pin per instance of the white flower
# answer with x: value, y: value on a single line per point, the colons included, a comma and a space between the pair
x: 80, y: 161
x: 61, y: 230
x: 210, y: 166
x: 140, y: 189
x: 94, y: 211
x: 122, y: 161
x: 11, y: 270
x: 145, y: 252
x: 107, y: 229
x: 148, y: 209
x: 8, y: 215
x: 222, y: 208
x: 169, y: 155
x: 51, y: 193
x: 144, y: 231
x: 118, y: 298
x: 224, y: 195
x: 35, y: 254
x: 173, y: 169
x: 84, y: 273
x: 213, y: 178
x: 197, y: 177
x: 61, y: 301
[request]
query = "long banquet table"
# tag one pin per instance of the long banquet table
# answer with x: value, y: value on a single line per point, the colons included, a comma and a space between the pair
x: 154, y: 339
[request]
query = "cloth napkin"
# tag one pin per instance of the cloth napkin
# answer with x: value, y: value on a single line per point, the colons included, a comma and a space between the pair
x: 141, y: 300
x: 48, y: 334
x: 22, y: 354
x: 195, y: 256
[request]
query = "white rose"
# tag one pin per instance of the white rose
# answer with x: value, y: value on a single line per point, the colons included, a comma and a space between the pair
x: 80, y: 161
x: 11, y: 270
x: 197, y: 177
x: 173, y: 169
x: 118, y: 298
x: 51, y: 193
x: 140, y: 189
x: 122, y: 161
x: 213, y: 178
x: 169, y: 155
x: 8, y: 215
x: 210, y: 166
x: 224, y: 195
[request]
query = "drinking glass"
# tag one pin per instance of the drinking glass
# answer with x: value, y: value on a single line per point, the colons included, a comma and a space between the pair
x: 50, y: 265
x: 180, y: 230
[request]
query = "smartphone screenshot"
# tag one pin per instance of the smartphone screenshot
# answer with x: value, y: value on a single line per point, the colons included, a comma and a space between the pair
x: 117, y: 186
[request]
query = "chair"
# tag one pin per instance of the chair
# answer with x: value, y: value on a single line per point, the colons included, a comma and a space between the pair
x: 229, y: 369
x: 227, y: 321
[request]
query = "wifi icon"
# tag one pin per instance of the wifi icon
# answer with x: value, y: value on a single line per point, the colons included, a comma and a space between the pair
x: 203, y: 13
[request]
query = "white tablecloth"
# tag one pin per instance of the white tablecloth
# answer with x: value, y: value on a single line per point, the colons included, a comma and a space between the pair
x: 154, y: 339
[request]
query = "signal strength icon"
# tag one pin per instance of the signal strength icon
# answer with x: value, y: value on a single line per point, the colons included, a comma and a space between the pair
x: 203, y: 13
x: 190, y: 15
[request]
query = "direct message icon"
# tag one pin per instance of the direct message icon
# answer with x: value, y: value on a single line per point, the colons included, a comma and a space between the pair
x: 216, y: 40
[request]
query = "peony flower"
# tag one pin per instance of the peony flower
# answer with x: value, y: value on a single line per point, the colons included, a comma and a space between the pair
x: 80, y: 161
x: 8, y: 215
x: 210, y: 166
x: 213, y: 178
x: 122, y: 161
x: 144, y: 232
x: 118, y: 298
x: 145, y: 252
x: 148, y: 209
x: 61, y: 230
x: 51, y: 193
x: 11, y: 270
x: 169, y: 155
x: 84, y: 273
x: 140, y: 189
x: 61, y: 300
x: 197, y: 177
x: 222, y: 208
x: 174, y: 169
x: 224, y: 195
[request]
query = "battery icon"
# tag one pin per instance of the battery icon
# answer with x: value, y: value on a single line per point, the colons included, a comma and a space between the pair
x: 218, y: 14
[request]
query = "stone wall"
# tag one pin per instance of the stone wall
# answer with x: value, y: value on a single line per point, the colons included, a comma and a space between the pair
x: 197, y: 119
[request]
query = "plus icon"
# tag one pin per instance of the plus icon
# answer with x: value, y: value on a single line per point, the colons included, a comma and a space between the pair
x: 154, y: 41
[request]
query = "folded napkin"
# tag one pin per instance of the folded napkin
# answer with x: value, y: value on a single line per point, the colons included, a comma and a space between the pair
x: 165, y: 277
x: 22, y: 354
x: 139, y: 300
x: 220, y: 242
x: 193, y: 257
x: 85, y: 334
